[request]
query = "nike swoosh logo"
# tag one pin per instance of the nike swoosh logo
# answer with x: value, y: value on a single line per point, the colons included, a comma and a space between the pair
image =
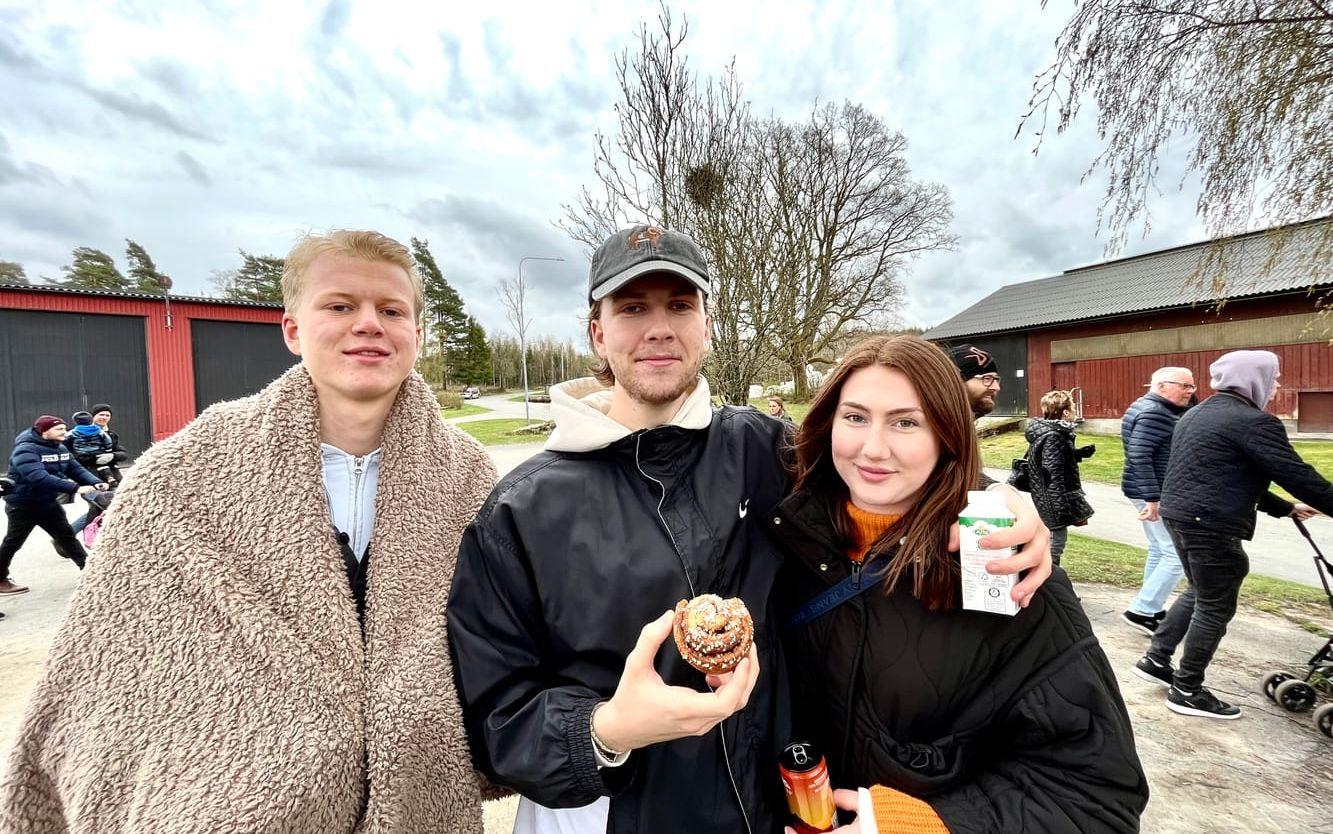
x: 744, y: 508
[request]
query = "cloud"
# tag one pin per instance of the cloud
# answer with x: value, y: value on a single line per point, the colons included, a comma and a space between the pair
x: 192, y: 167
x: 470, y: 125
x: 145, y: 111
x: 334, y: 20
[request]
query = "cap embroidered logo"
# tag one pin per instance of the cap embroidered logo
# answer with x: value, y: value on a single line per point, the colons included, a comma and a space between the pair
x: 652, y: 234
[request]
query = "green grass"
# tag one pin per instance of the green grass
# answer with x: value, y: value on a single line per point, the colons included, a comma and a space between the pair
x: 467, y: 410
x: 796, y: 410
x: 1113, y: 563
x: 499, y: 432
x: 1109, y: 462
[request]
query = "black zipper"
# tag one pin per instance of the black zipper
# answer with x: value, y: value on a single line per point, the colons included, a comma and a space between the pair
x: 726, y: 754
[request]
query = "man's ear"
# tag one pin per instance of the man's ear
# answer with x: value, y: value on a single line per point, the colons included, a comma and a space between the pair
x: 597, y: 337
x: 289, y: 333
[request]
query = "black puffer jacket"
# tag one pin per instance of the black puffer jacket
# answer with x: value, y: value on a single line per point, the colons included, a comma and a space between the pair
x: 1146, y: 431
x: 1001, y: 724
x: 1054, y: 477
x: 572, y: 554
x: 1224, y: 455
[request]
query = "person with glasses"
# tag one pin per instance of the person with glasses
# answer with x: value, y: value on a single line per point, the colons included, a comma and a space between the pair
x: 1146, y: 430
x: 981, y: 377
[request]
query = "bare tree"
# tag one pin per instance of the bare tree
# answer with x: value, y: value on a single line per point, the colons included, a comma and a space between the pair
x: 684, y: 157
x: 798, y: 246
x: 1245, y: 82
x: 853, y: 219
x: 513, y: 297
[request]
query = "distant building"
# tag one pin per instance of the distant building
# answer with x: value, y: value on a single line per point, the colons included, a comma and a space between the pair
x: 1103, y: 329
x: 62, y: 350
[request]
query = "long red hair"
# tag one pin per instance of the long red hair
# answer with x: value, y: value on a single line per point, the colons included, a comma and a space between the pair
x: 924, y: 554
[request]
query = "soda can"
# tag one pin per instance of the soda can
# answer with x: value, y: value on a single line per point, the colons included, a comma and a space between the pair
x: 809, y: 793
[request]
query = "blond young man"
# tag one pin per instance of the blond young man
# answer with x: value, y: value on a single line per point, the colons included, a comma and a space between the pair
x: 259, y: 645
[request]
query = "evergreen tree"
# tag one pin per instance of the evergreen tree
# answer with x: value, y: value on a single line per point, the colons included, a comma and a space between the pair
x: 93, y: 269
x: 473, y: 363
x: 12, y: 272
x: 259, y: 278
x: 445, y: 316
x: 143, y: 272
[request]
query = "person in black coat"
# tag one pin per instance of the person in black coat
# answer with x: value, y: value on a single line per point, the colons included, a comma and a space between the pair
x: 961, y: 721
x: 42, y: 468
x: 1056, y: 487
x: 101, y: 418
x: 1225, y: 453
x: 102, y: 414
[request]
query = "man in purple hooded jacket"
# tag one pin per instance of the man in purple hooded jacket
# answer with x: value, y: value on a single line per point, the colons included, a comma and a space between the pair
x: 1224, y: 455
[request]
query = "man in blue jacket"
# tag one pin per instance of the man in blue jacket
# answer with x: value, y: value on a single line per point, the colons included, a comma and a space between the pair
x: 42, y: 468
x: 1146, y: 431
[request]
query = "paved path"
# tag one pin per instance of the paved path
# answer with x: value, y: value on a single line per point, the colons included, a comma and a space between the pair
x: 500, y: 406
x: 1278, y: 548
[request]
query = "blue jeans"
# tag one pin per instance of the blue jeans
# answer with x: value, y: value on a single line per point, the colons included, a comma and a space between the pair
x: 1161, y: 571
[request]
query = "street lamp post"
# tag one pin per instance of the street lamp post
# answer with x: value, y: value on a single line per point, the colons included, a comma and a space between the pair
x: 522, y: 333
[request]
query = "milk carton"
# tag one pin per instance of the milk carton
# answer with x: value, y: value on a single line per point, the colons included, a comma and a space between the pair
x: 985, y: 513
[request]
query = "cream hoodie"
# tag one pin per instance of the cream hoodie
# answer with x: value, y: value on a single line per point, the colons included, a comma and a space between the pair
x: 581, y: 425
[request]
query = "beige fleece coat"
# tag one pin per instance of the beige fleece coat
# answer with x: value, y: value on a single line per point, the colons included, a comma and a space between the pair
x: 211, y: 674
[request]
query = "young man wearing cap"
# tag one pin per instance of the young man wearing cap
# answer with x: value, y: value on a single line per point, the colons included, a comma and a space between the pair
x: 981, y: 377
x: 42, y: 469
x: 259, y: 643
x: 645, y: 495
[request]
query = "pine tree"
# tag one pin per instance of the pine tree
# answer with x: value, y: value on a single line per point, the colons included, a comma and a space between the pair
x: 93, y: 269
x: 258, y: 279
x: 473, y: 365
x: 11, y: 272
x: 444, y: 309
x: 143, y: 271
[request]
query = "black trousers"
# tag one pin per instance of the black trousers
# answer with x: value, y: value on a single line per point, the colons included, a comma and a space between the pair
x: 22, y: 518
x: 1215, y: 565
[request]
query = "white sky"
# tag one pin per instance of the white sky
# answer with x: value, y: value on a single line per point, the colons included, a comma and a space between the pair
x: 200, y: 129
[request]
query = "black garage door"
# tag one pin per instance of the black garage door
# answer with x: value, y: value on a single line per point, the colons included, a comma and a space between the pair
x: 60, y: 363
x: 235, y: 359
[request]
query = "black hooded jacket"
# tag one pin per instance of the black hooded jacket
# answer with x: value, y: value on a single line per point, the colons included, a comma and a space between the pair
x: 1054, y: 472
x: 1224, y: 455
x: 1001, y: 724
x: 569, y: 558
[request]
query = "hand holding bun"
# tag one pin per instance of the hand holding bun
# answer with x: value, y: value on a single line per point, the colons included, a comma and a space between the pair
x: 713, y: 634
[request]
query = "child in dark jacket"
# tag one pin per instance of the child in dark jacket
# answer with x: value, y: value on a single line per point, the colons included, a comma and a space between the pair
x: 1053, y: 461
x: 87, y: 440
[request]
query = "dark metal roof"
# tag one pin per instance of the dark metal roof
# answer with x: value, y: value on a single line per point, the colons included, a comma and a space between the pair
x: 1154, y: 281
x: 139, y: 296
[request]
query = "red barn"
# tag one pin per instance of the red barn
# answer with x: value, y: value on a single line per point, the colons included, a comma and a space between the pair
x: 157, y: 360
x: 1102, y: 330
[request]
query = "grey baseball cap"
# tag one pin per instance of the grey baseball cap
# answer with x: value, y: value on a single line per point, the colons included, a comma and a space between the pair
x: 633, y: 253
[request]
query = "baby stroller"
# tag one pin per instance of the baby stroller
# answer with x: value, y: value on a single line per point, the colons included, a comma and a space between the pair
x: 1297, y: 694
x: 98, y: 504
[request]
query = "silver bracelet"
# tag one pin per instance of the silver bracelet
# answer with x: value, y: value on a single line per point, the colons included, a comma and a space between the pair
x: 607, y: 752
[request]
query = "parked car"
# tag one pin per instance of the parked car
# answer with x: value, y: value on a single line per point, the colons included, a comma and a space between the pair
x: 471, y: 392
